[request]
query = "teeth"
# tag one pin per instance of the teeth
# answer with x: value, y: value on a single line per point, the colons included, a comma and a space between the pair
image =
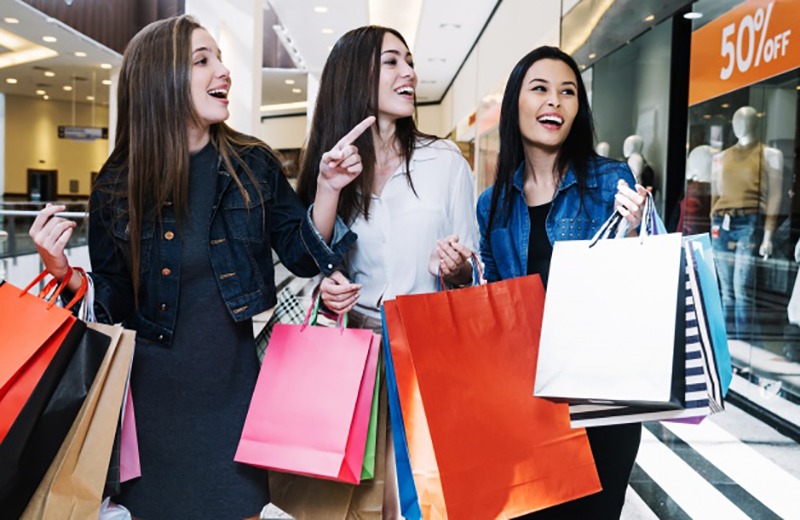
x: 551, y: 119
x: 219, y: 92
x: 405, y: 90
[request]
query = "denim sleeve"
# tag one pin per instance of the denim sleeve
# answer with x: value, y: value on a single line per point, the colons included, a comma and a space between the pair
x: 113, y: 287
x: 487, y: 256
x: 298, y: 244
x: 328, y: 258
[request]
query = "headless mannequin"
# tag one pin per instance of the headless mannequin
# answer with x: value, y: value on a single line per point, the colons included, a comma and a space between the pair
x: 632, y: 150
x: 602, y: 149
x: 769, y: 178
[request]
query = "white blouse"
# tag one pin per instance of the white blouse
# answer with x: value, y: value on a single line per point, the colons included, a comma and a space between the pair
x: 393, y: 250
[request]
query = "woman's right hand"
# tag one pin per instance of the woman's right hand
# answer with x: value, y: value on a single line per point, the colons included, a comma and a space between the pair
x: 338, y: 294
x: 50, y: 234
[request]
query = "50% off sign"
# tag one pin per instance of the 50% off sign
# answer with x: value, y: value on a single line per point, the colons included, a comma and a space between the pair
x: 739, y: 42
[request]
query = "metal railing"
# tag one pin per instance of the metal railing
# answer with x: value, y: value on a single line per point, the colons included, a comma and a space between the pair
x: 15, y: 224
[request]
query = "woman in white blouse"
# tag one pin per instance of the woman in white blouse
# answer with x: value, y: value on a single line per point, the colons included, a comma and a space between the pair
x: 412, y: 205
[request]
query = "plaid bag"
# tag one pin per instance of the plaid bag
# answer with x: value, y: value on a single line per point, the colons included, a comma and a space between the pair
x: 287, y: 311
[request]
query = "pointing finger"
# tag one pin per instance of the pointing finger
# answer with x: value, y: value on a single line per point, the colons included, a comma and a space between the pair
x: 356, y: 132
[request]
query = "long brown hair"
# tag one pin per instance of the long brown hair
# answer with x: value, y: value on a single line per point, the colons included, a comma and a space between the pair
x: 348, y: 93
x: 155, y: 109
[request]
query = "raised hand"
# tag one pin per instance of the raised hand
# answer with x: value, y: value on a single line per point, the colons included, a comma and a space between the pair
x: 341, y: 164
x: 630, y: 203
x: 50, y: 234
x: 450, y: 257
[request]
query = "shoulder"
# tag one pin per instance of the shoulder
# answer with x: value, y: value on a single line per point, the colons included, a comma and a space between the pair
x: 485, y: 199
x: 439, y: 149
x: 606, y: 172
x: 259, y: 157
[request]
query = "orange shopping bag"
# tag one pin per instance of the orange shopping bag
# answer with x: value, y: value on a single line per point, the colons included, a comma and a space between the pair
x: 474, y: 354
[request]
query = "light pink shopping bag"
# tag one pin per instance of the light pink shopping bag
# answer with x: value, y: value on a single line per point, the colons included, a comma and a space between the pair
x: 311, y: 406
x: 129, y: 465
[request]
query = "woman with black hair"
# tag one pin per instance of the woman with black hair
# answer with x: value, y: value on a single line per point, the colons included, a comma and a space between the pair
x: 551, y: 185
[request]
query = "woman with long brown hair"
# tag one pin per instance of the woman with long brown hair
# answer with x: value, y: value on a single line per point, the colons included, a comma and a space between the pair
x: 184, y: 217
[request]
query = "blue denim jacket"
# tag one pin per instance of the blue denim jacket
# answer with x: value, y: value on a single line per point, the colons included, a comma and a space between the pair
x: 504, y: 248
x: 240, y: 244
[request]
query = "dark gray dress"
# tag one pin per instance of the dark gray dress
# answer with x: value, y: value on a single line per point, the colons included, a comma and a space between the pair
x: 191, y: 399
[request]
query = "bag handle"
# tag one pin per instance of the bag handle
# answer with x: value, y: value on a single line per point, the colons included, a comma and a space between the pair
x: 477, y: 273
x: 312, y: 314
x: 617, y: 226
x: 59, y: 287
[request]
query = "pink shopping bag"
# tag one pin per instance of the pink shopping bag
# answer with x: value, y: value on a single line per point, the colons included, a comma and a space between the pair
x: 129, y: 464
x: 311, y: 406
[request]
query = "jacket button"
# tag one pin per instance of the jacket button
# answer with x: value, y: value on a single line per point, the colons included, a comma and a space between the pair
x: 330, y: 266
x: 162, y: 307
x: 166, y: 271
x: 169, y: 235
x: 160, y: 337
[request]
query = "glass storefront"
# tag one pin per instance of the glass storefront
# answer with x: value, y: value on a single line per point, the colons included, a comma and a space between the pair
x: 741, y: 178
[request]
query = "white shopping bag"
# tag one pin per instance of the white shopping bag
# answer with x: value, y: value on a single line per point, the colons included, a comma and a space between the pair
x: 613, y: 322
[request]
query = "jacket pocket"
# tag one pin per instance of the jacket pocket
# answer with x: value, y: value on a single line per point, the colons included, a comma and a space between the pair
x: 121, y: 230
x: 247, y: 219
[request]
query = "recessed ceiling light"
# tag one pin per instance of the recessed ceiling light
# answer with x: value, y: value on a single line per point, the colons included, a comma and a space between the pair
x: 320, y: 9
x: 80, y: 54
x: 89, y: 98
x: 327, y: 31
x: 649, y: 18
x: 694, y: 15
x: 50, y: 39
x: 592, y: 55
x: 289, y: 81
x: 67, y: 87
x: 45, y: 97
x: 12, y: 81
x: 707, y: 116
x: 297, y: 90
x: 106, y: 82
x: 49, y: 73
x: 40, y: 92
x: 8, y: 19
x: 725, y: 105
x: 105, y: 65
x: 581, y: 66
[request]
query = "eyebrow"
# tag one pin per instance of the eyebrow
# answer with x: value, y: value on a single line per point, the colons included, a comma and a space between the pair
x: 545, y: 81
x: 393, y: 51
x: 207, y: 49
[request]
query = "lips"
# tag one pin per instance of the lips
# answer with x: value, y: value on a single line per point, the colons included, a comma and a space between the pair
x: 552, y: 121
x: 405, y: 90
x: 219, y: 93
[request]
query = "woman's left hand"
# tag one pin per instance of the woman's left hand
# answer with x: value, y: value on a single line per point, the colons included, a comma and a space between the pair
x: 630, y: 203
x: 451, y: 259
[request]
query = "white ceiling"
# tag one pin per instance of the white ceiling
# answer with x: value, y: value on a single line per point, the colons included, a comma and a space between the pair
x: 446, y: 32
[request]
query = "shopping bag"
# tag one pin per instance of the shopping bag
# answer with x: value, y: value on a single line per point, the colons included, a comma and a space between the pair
x: 320, y: 376
x: 36, y: 435
x: 614, y: 322
x: 73, y: 485
x: 368, y: 467
x: 419, y: 483
x: 31, y: 358
x: 129, y: 463
x: 474, y: 351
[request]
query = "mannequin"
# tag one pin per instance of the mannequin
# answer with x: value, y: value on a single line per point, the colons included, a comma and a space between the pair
x: 632, y: 150
x: 746, y: 183
x: 696, y: 203
x: 603, y: 149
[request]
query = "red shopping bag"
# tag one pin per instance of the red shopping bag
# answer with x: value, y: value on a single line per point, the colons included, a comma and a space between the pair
x: 474, y: 354
x: 33, y: 330
x: 311, y: 406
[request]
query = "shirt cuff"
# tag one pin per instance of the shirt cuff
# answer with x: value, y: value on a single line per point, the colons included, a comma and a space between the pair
x: 328, y: 258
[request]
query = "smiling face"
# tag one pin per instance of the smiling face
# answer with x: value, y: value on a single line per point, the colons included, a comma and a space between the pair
x: 398, y: 81
x: 210, y: 80
x: 548, y: 104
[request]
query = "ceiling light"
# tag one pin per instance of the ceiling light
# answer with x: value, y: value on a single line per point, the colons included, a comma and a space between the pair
x: 45, y: 97
x: 707, y: 116
x: 650, y: 18
x: 40, y: 92
x: 80, y: 54
x: 297, y: 90
x: 592, y: 55
x: 49, y: 39
x: 289, y: 81
x: 320, y: 9
x: 582, y: 66
x: 106, y: 82
x: 12, y: 81
x: 105, y: 65
x: 89, y: 98
x: 299, y: 105
x: 725, y: 105
x: 798, y: 87
x: 49, y: 73
x: 327, y: 31
x: 694, y: 15
x: 8, y: 19
x: 67, y: 87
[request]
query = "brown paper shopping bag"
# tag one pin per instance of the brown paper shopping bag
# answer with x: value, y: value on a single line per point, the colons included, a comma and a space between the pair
x: 73, y: 485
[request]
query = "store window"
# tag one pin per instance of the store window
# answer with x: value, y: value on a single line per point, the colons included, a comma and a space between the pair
x: 741, y: 175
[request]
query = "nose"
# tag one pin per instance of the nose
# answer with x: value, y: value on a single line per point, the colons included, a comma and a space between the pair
x: 223, y: 71
x: 554, y: 101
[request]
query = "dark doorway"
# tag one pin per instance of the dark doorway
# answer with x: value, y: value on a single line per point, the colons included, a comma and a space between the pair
x: 42, y: 185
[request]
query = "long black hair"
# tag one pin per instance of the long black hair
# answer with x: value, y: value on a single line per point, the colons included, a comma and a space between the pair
x: 577, y: 150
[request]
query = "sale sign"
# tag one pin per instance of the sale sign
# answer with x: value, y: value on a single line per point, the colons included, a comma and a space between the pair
x: 756, y: 40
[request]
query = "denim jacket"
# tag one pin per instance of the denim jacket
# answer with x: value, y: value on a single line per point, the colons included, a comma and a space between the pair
x: 240, y: 241
x: 504, y: 248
